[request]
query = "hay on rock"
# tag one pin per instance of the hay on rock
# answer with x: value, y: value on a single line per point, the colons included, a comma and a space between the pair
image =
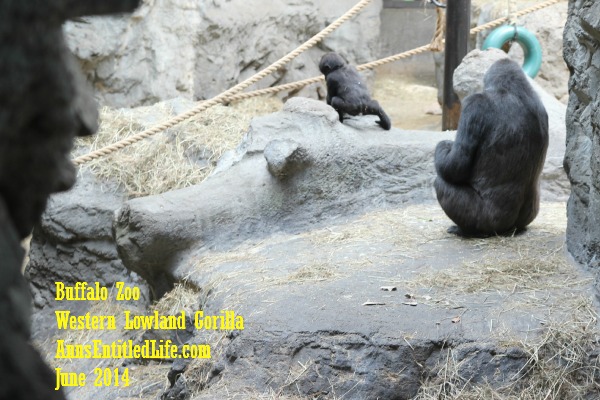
x: 179, y: 157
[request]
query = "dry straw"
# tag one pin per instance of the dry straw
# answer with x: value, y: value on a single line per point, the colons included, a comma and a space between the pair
x: 562, y: 363
x: 183, y: 156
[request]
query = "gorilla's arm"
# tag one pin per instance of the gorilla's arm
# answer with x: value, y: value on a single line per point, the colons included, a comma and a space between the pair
x: 334, y: 80
x: 454, y: 160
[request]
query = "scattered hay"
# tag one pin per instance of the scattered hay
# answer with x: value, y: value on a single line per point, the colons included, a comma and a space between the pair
x: 243, y: 254
x: 199, y: 371
x: 534, y: 260
x: 311, y: 273
x: 281, y: 391
x: 563, y: 361
x: 251, y: 394
x: 202, y: 274
x: 182, y: 156
x: 147, y: 381
x: 530, y: 261
x: 212, y: 286
x: 562, y: 364
x: 108, y: 307
x: 535, y: 269
x: 183, y: 297
x: 408, y: 229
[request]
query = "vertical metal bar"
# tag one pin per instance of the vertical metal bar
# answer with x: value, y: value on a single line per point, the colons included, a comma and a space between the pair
x: 458, y: 23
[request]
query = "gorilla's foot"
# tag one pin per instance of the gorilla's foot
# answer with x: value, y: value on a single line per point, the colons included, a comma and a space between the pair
x: 456, y: 230
x: 385, y: 124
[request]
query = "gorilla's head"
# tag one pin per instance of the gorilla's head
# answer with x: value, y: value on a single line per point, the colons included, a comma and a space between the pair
x: 504, y: 74
x: 330, y: 62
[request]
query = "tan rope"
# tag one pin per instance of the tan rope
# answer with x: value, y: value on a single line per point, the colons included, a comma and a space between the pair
x: 232, y: 95
x: 276, y: 89
x: 223, y: 97
x: 316, y: 79
x: 437, y: 43
x: 525, y: 11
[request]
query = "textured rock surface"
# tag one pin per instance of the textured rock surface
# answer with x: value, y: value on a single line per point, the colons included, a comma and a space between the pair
x: 303, y: 299
x: 308, y: 332
x: 174, y: 48
x: 285, y: 158
x: 582, y: 161
x: 353, y: 166
x: 74, y: 242
x: 299, y: 254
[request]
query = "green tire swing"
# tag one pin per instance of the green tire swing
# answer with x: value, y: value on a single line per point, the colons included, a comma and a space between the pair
x: 527, y: 40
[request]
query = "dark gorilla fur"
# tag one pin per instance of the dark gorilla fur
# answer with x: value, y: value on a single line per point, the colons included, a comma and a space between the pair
x: 347, y: 92
x: 488, y: 177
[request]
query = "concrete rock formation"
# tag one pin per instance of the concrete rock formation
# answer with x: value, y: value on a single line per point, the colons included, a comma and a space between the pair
x: 582, y: 160
x: 74, y: 243
x: 174, y: 48
x: 330, y: 170
x: 285, y: 157
x: 338, y: 169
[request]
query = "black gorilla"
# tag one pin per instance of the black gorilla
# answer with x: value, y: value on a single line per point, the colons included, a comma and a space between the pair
x: 488, y: 177
x: 347, y: 92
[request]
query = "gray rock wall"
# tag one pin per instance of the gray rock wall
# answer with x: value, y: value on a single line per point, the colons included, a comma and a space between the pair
x: 404, y: 29
x: 582, y: 160
x: 175, y: 48
x: 74, y: 243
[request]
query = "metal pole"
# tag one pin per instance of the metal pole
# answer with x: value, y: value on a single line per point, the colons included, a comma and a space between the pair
x: 458, y: 23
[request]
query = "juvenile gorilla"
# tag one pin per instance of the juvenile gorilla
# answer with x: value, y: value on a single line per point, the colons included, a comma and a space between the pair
x: 347, y: 92
x: 488, y: 177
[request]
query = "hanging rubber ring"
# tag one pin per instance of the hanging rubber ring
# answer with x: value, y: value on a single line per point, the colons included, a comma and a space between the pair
x: 527, y: 40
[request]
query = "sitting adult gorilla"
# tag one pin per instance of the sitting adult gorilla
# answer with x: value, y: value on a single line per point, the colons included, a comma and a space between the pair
x: 488, y: 177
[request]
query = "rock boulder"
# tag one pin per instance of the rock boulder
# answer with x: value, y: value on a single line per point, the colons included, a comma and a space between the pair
x: 331, y: 170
